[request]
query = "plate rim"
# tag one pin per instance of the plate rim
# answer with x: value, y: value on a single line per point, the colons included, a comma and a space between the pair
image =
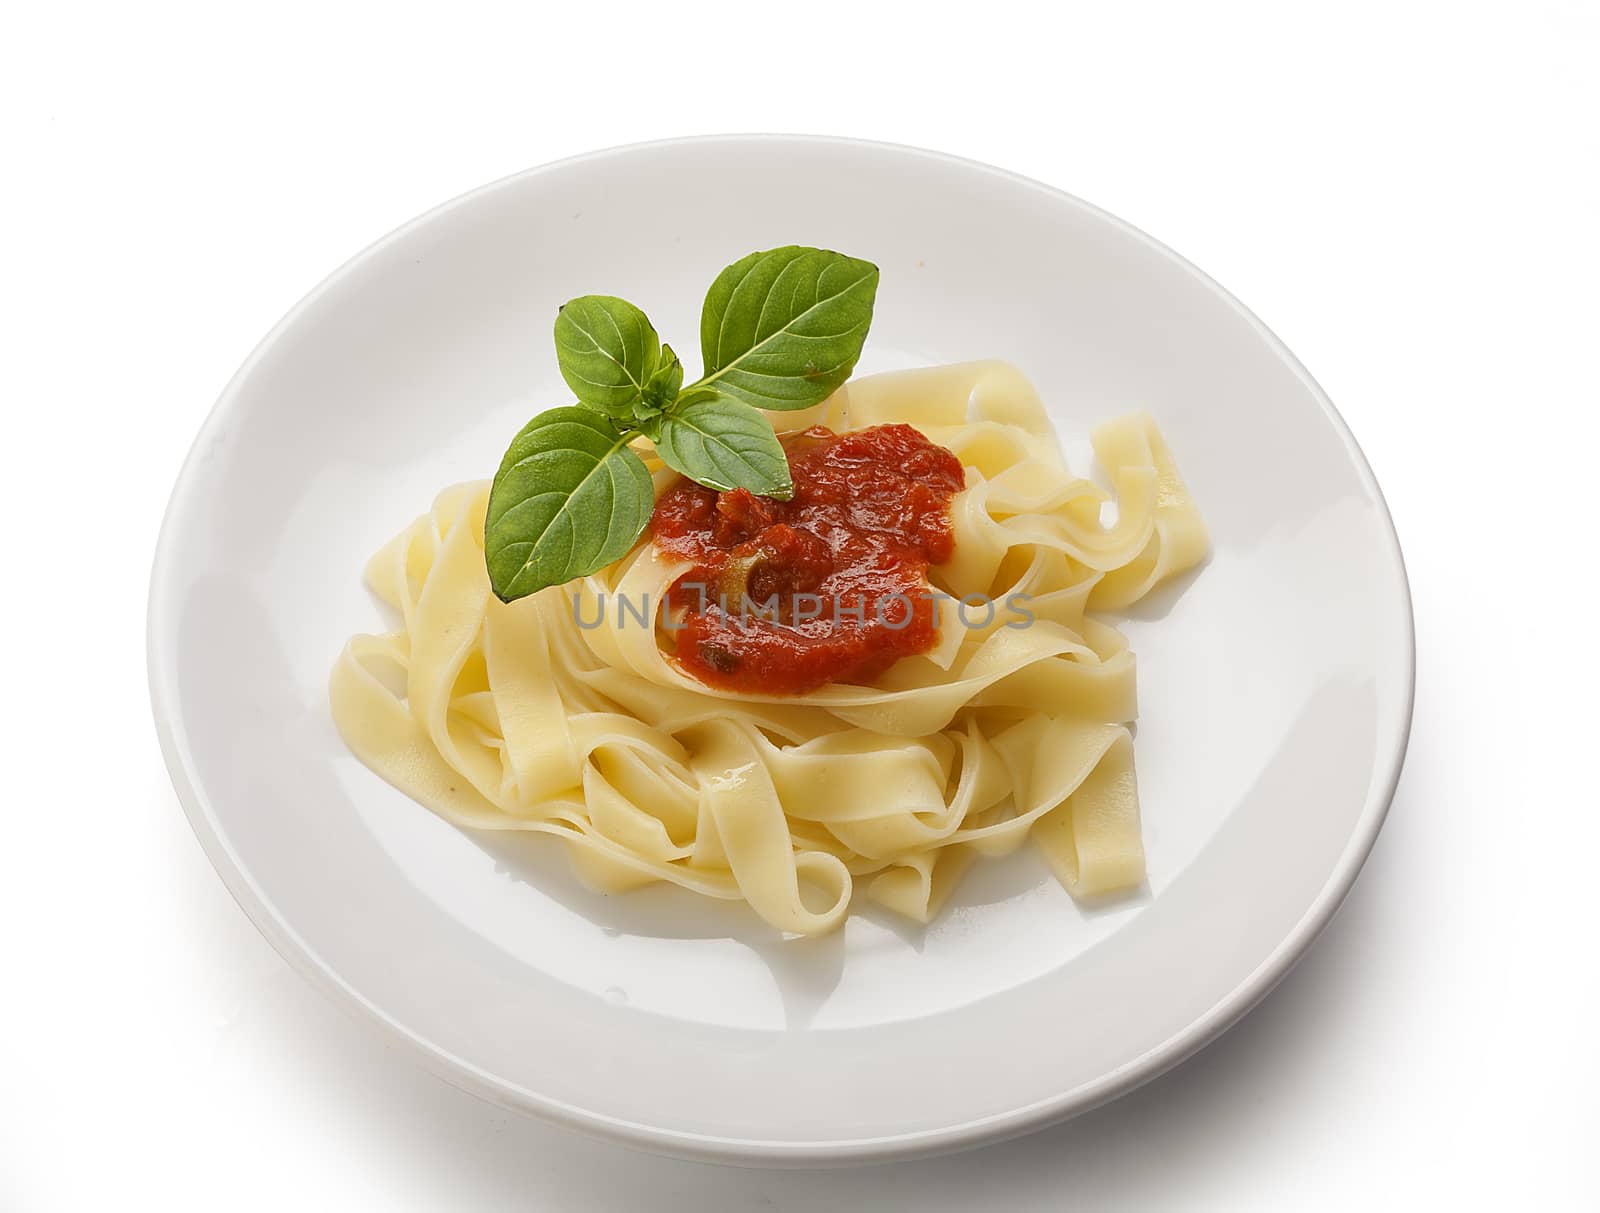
x: 1390, y: 753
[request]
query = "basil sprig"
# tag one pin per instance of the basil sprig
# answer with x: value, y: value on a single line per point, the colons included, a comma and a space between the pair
x: 779, y: 330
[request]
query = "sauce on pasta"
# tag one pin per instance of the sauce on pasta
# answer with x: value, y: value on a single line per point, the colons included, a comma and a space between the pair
x: 830, y: 586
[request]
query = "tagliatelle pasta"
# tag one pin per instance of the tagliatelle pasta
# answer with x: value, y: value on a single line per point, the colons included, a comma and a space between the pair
x: 561, y: 713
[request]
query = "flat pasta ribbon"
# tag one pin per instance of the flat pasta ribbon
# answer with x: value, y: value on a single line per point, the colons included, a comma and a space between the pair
x: 562, y: 713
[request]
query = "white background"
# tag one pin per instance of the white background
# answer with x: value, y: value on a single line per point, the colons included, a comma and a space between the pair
x: 1408, y: 194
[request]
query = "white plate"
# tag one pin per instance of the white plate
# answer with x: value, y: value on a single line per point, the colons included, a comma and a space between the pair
x: 1275, y: 688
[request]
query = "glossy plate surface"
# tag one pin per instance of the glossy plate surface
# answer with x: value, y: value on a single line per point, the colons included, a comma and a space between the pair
x: 1275, y: 688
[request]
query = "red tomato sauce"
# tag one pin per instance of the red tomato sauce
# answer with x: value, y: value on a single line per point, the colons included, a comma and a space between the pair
x: 831, y: 586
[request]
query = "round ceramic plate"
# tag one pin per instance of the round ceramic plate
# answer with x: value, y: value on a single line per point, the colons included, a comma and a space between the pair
x: 1275, y: 683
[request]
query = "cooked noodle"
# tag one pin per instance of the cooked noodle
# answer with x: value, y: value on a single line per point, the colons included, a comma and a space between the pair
x: 515, y: 717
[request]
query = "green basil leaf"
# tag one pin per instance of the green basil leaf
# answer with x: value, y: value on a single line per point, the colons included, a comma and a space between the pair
x: 725, y: 444
x: 663, y: 387
x: 569, y: 498
x: 607, y: 350
x: 784, y: 328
